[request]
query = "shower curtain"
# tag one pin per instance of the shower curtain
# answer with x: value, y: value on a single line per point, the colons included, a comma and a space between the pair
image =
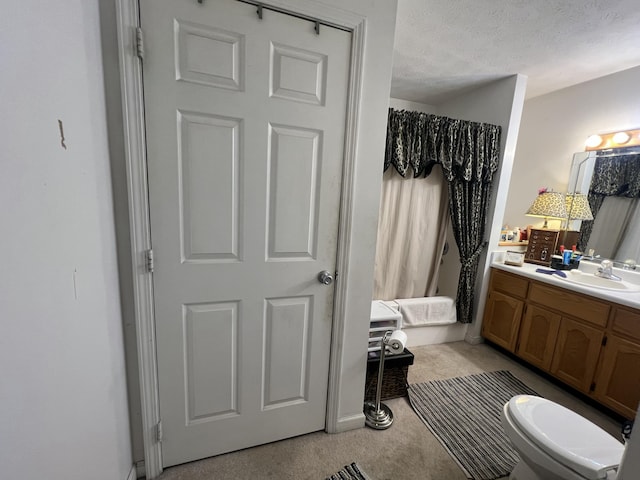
x: 468, y: 153
x: 411, y: 234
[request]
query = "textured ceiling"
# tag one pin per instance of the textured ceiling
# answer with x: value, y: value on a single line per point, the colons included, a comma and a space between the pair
x: 445, y: 47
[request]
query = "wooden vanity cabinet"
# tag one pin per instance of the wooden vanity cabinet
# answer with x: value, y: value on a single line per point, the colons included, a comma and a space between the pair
x: 502, y: 319
x: 617, y: 382
x: 538, y: 333
x: 590, y: 344
x: 503, y: 310
x: 576, y: 353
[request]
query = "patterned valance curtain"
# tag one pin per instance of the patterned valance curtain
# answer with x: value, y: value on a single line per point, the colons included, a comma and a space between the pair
x: 469, y: 153
x: 617, y: 176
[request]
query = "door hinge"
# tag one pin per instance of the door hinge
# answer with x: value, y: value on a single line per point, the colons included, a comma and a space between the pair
x: 139, y: 43
x: 604, y: 341
x: 149, y: 260
x: 159, y: 432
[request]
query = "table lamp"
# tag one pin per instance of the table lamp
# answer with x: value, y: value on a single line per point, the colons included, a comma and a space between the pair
x: 548, y: 205
x: 577, y: 207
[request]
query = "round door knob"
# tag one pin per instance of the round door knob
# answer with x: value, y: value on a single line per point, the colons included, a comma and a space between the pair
x: 325, y: 277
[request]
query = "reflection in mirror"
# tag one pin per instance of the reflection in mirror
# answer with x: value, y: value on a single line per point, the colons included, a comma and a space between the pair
x: 611, y: 178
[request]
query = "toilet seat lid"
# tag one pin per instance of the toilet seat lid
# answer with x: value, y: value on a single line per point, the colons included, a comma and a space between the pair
x: 566, y: 436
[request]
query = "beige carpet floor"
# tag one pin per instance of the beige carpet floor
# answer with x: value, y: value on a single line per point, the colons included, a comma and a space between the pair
x: 406, y: 451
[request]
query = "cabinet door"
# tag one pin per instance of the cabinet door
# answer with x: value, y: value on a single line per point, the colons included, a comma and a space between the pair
x: 618, y: 382
x: 502, y: 320
x: 576, y: 354
x: 538, y: 334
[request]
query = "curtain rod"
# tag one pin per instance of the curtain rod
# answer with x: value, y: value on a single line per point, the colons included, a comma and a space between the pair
x: 403, y: 110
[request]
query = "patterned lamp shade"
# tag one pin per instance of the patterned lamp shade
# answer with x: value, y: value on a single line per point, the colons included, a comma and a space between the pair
x: 548, y: 205
x: 577, y: 206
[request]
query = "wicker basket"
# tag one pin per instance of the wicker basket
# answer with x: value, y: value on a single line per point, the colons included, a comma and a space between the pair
x: 394, y: 383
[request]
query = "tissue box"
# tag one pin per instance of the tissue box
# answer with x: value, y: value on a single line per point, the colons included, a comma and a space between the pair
x: 513, y: 258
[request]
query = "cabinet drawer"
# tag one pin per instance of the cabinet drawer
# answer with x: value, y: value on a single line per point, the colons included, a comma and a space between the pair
x: 510, y: 284
x: 627, y: 322
x: 572, y: 304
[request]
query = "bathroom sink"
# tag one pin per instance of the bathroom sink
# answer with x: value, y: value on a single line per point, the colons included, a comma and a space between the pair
x: 591, y: 280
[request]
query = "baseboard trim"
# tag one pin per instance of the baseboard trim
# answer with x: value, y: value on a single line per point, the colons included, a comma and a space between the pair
x: 132, y: 473
x: 349, y: 423
x: 474, y: 339
x: 140, y: 470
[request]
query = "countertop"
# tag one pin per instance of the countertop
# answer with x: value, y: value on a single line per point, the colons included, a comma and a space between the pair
x: 629, y: 299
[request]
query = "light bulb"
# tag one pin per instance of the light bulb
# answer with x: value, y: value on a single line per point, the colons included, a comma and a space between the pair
x: 593, y: 141
x: 621, y: 138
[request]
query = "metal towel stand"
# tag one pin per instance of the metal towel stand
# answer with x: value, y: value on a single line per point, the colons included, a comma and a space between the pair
x: 378, y: 415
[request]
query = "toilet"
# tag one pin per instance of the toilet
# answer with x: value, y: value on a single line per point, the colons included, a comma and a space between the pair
x: 555, y: 443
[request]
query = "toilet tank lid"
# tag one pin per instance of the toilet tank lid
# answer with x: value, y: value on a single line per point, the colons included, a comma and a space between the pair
x: 566, y: 436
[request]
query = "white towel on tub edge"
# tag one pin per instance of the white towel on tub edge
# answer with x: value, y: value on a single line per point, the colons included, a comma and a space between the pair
x: 417, y: 312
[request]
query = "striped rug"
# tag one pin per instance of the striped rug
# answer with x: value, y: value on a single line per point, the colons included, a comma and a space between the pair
x: 464, y: 414
x: 350, y: 472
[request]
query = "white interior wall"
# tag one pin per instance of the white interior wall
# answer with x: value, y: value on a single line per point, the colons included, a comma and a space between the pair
x: 556, y: 125
x: 63, y: 391
x: 499, y: 103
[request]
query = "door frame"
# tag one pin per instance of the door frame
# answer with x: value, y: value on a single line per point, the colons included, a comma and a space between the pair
x: 127, y: 20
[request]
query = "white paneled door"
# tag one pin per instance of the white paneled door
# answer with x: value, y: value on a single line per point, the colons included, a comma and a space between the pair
x: 245, y: 122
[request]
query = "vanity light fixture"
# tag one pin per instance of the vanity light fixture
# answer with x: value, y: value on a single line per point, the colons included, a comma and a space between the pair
x: 548, y: 205
x: 621, y: 138
x: 624, y: 138
x: 593, y: 142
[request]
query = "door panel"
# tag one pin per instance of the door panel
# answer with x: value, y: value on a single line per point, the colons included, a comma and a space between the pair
x: 211, y: 374
x: 538, y: 334
x: 245, y: 134
x: 286, y: 380
x: 293, y: 219
x: 618, y: 383
x: 502, y: 320
x: 210, y: 191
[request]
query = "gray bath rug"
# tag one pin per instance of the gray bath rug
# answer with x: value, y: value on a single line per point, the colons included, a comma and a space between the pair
x: 350, y: 472
x: 464, y: 415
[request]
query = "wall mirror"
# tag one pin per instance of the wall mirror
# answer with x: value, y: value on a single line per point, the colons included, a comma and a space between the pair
x: 611, y: 179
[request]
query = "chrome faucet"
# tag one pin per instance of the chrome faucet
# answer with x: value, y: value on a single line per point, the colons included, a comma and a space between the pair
x: 606, y: 271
